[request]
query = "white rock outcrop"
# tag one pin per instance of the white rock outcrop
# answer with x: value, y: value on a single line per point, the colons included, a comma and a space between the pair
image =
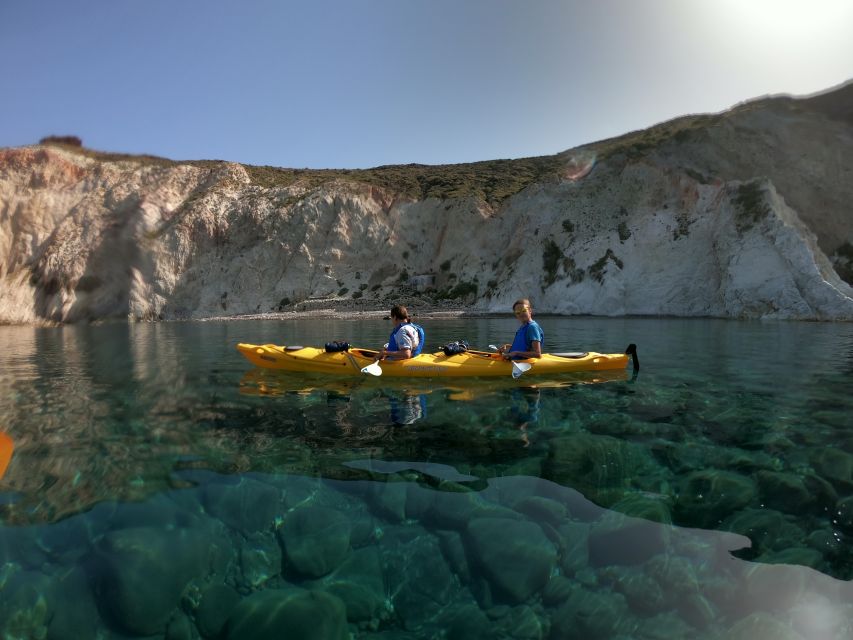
x: 731, y: 217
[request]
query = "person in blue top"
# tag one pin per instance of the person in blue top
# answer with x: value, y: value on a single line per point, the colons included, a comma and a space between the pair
x: 528, y: 339
x: 407, y: 338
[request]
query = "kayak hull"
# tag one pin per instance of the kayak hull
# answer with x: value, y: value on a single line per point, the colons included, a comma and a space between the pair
x: 427, y: 365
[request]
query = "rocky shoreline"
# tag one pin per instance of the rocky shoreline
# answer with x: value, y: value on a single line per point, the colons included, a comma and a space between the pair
x: 744, y: 214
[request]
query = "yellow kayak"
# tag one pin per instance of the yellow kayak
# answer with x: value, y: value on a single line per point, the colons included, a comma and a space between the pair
x: 428, y: 365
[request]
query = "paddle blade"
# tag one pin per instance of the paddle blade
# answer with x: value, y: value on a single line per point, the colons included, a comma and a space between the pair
x: 373, y: 369
x: 493, y: 347
x: 518, y: 368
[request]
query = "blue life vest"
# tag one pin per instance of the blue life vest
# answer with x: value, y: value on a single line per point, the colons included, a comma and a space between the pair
x: 392, y: 341
x: 520, y: 342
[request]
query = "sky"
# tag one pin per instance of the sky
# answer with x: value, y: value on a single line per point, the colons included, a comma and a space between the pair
x: 363, y: 83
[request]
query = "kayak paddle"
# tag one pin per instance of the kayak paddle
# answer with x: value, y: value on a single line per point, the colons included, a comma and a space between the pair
x: 518, y: 368
x: 373, y: 368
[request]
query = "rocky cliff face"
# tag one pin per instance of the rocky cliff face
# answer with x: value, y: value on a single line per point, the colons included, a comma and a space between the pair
x: 741, y: 214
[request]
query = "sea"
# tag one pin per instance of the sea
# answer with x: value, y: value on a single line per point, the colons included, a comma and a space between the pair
x: 154, y: 484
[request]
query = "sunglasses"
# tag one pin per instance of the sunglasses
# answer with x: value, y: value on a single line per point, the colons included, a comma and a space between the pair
x: 522, y: 311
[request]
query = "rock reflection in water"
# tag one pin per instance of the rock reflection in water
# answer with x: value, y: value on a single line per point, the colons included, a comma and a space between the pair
x: 401, y: 550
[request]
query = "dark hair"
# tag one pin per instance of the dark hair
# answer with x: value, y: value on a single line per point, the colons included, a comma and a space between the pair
x: 400, y: 312
x: 523, y: 302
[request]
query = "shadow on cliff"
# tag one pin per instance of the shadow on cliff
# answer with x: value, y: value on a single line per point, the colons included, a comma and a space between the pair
x: 104, y: 289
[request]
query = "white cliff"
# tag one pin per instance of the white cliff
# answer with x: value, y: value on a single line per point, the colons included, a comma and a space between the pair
x: 732, y: 215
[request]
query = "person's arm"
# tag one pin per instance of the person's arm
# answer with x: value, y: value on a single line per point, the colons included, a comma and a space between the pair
x: 403, y: 354
x: 535, y: 351
x: 406, y: 346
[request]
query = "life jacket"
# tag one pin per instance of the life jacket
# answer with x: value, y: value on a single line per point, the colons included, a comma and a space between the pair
x: 392, y: 341
x: 520, y: 343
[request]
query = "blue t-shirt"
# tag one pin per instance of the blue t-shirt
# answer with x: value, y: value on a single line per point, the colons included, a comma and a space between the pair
x: 526, y: 335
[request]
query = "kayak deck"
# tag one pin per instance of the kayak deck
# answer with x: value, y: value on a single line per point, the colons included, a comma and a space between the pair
x: 426, y: 365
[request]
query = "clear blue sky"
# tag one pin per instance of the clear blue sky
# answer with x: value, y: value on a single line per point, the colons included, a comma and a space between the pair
x: 348, y: 83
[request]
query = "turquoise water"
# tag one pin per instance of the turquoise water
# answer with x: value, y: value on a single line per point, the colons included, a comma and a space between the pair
x: 160, y: 487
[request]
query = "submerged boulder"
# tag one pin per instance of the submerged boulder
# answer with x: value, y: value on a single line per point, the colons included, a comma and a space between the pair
x: 516, y: 556
x: 316, y: 540
x: 295, y: 614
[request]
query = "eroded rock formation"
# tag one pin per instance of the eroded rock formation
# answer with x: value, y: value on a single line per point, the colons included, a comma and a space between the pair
x: 742, y: 214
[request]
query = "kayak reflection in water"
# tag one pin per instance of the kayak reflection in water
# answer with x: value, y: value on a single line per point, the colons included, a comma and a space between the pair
x: 408, y: 409
x: 7, y: 446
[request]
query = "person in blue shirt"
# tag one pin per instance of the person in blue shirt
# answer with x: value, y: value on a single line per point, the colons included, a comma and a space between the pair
x: 528, y: 339
x: 407, y: 338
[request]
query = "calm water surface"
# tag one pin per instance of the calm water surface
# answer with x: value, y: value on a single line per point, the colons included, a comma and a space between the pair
x: 155, y: 485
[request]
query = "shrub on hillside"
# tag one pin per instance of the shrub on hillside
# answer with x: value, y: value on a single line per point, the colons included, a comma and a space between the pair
x: 71, y: 141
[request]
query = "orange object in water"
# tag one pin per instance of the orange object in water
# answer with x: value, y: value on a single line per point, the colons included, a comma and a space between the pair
x: 6, y: 449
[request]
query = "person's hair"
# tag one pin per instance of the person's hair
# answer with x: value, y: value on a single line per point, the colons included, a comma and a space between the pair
x: 524, y: 302
x: 400, y: 312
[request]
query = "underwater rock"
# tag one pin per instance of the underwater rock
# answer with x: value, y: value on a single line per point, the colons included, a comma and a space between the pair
x: 300, y: 491
x: 844, y: 513
x: 557, y: 591
x: 455, y: 509
x: 759, y: 626
x: 360, y: 585
x: 295, y: 614
x: 216, y: 604
x: 453, y: 549
x: 674, y: 574
x: 24, y: 612
x: 834, y: 465
x: 516, y: 556
x: 591, y: 615
x: 418, y: 582
x: 68, y: 540
x: 706, y: 497
x: 315, y: 539
x: 766, y: 528
x: 638, y: 505
x: 696, y: 609
x: 575, y: 546
x: 622, y: 540
x: 20, y: 546
x: 419, y: 501
x: 388, y: 499
x: 140, y: 574
x: 823, y: 494
x: 642, y: 593
x: 247, y: 506
x: 365, y: 529
x: 179, y: 628
x: 466, y: 623
x: 75, y: 614
x: 816, y: 616
x: 826, y: 542
x: 540, y: 509
x: 666, y: 626
x: 522, y: 623
x: 784, y: 492
x: 776, y: 587
x: 793, y: 556
x: 158, y: 511
x: 260, y: 559
x: 592, y: 463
